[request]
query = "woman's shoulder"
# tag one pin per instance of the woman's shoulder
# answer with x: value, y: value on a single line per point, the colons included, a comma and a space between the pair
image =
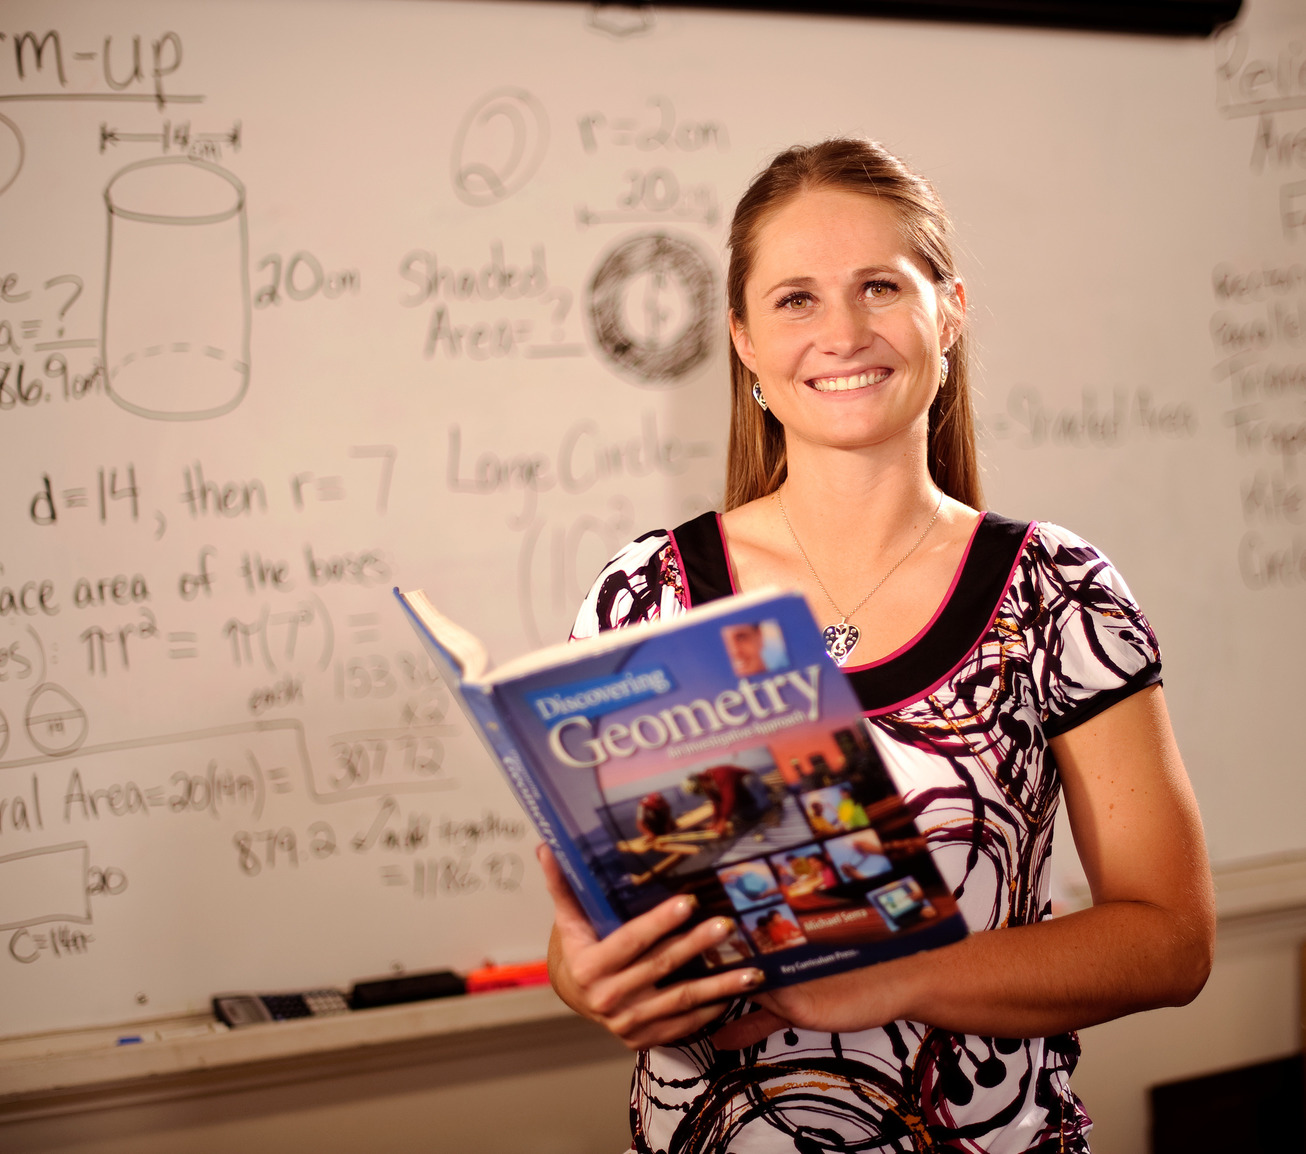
x: 636, y: 554
x: 1088, y: 643
x: 1056, y: 572
x: 1066, y: 559
x: 1085, y: 602
x: 1053, y: 538
x: 1040, y: 546
x: 642, y: 582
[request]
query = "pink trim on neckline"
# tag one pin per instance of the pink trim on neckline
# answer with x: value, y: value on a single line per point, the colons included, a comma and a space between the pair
x: 1006, y: 586
x: 680, y: 564
x: 924, y: 629
x: 906, y: 645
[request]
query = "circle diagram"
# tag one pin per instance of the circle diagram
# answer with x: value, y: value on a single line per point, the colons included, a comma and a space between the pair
x: 652, y: 307
x: 55, y: 722
x: 11, y: 153
x: 499, y: 145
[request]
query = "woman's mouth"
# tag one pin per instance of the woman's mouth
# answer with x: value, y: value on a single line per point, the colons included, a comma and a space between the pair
x: 855, y: 381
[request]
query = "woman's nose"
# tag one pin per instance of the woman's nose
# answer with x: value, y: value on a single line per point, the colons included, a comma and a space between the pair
x: 846, y: 328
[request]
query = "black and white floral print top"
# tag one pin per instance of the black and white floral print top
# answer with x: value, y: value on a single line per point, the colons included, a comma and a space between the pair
x: 1037, y: 634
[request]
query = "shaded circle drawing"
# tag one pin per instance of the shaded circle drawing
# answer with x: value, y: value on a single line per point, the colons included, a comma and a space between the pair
x: 499, y: 145
x: 175, y: 336
x: 12, y: 152
x: 55, y: 721
x: 652, y: 307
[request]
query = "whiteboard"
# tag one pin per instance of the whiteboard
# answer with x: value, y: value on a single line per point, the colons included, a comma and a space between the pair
x: 303, y: 300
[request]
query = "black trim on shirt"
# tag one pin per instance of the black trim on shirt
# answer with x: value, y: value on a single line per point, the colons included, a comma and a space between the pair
x: 703, y: 557
x: 960, y: 625
x: 1101, y: 701
x: 955, y: 632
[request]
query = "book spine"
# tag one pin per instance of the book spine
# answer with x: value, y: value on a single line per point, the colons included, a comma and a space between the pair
x: 539, y: 809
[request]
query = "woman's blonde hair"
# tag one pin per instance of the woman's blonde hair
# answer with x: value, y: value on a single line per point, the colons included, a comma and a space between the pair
x: 755, y: 458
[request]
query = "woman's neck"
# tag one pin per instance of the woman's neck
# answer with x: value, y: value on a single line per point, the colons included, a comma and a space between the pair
x: 864, y: 504
x: 867, y: 537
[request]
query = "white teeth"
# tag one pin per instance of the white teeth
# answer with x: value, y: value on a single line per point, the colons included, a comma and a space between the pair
x: 843, y: 384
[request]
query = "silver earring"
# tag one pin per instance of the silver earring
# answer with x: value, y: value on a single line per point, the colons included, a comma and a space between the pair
x: 757, y: 396
x: 943, y: 369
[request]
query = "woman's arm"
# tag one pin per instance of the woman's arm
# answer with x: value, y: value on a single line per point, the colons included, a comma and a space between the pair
x: 1145, y: 942
x: 613, y: 980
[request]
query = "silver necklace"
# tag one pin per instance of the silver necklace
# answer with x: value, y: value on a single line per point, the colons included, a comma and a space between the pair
x: 841, y: 639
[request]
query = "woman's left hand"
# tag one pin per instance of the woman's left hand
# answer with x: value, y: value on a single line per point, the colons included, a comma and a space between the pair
x: 854, y: 1000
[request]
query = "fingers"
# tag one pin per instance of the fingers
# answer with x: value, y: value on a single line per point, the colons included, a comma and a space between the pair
x: 627, y: 942
x: 664, y: 1031
x: 625, y: 982
x: 567, y: 911
x: 748, y: 1030
x: 614, y: 980
x: 644, y: 935
x: 667, y: 1015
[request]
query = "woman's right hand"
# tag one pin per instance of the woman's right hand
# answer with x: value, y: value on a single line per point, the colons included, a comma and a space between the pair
x: 613, y: 980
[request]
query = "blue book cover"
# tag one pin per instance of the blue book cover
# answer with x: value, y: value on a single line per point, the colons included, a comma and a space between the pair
x: 721, y: 754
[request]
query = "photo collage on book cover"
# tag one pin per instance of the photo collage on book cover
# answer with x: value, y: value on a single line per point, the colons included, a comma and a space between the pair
x: 802, y: 840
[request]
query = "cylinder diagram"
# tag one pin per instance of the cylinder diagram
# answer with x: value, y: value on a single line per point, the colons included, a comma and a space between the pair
x: 176, y: 299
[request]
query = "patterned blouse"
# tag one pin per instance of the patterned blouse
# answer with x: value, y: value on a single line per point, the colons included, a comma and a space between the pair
x: 1037, y: 634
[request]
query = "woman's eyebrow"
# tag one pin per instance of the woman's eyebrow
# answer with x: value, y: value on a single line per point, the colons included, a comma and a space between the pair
x: 790, y: 282
x: 808, y: 281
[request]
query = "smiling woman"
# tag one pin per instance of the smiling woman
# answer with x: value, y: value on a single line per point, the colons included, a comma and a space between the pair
x: 905, y: 202
x: 1003, y: 664
x: 846, y: 354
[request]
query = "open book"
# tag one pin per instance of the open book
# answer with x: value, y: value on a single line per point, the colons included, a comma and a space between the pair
x: 721, y: 754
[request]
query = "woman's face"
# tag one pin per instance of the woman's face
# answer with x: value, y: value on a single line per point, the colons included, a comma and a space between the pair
x: 844, y: 326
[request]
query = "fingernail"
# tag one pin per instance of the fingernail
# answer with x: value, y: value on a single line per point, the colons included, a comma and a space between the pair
x: 686, y: 904
x: 721, y: 927
x: 750, y: 978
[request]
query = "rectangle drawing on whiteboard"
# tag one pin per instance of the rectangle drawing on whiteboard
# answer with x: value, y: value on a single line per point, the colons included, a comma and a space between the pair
x: 44, y: 885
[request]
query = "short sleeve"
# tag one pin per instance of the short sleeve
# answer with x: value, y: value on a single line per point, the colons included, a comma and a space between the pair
x: 641, y: 583
x: 1093, y: 646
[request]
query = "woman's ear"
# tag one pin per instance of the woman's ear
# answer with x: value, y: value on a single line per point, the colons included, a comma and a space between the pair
x: 953, y: 312
x: 743, y: 343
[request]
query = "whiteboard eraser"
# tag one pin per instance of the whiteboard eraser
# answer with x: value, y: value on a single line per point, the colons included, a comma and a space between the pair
x: 409, y: 988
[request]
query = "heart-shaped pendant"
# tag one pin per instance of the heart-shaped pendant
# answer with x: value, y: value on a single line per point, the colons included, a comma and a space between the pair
x: 840, y: 641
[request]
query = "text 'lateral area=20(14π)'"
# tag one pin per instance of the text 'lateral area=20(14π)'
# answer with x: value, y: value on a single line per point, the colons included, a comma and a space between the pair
x: 228, y: 771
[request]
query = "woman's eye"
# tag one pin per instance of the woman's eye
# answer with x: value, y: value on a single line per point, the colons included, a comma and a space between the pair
x: 880, y: 289
x: 795, y: 301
